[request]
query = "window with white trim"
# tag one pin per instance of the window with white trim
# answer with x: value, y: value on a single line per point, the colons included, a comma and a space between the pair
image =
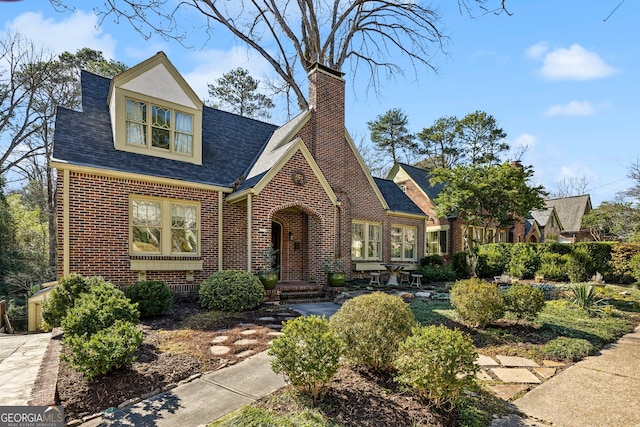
x: 475, y: 236
x: 366, y: 240
x: 502, y: 236
x: 403, y: 243
x: 438, y: 240
x: 158, y: 127
x: 164, y: 226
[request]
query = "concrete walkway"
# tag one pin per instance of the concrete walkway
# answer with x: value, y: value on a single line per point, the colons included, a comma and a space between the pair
x: 202, y: 400
x: 602, y: 390
x: 20, y: 359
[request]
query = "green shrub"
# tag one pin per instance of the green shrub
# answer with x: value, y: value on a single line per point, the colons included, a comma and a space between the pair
x: 569, y: 348
x: 493, y: 259
x: 553, y: 266
x: 438, y: 363
x: 372, y: 326
x: 231, y: 290
x: 107, y: 349
x: 460, y: 264
x: 523, y: 301
x: 579, y: 266
x: 600, y: 255
x: 437, y: 273
x: 431, y: 260
x: 554, y: 248
x: 153, y: 297
x: 634, y: 266
x: 307, y: 353
x: 63, y: 296
x: 99, y: 309
x: 524, y: 261
x: 621, y: 254
x: 586, y: 297
x: 477, y: 302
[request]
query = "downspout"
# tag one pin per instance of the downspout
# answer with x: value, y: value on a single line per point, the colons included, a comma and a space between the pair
x: 220, y: 230
x: 249, y: 227
x: 65, y: 223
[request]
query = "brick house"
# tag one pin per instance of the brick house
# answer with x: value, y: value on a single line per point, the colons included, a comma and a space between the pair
x: 154, y: 185
x: 445, y: 236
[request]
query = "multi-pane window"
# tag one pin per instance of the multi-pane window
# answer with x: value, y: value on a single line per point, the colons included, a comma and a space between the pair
x: 150, y: 125
x: 437, y: 241
x: 366, y: 240
x: 475, y: 236
x: 164, y: 227
x: 403, y: 243
x: 502, y: 236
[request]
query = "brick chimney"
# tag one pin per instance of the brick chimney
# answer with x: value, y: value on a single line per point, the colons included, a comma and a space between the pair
x: 328, y: 144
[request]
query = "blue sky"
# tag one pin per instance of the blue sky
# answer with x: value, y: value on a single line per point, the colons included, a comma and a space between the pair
x: 555, y: 75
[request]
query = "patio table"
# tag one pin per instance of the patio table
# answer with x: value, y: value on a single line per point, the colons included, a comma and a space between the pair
x: 394, y: 270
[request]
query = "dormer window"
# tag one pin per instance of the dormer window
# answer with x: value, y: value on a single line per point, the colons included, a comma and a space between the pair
x: 159, y: 127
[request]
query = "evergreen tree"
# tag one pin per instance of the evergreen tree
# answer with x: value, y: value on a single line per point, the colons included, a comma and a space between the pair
x: 237, y: 92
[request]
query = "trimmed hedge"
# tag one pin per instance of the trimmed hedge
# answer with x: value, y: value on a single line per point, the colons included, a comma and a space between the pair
x: 153, y: 297
x: 524, y: 261
x: 493, y: 259
x: 231, y: 290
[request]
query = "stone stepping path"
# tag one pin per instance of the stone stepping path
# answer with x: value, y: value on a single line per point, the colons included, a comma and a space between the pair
x: 509, y: 376
x: 221, y: 345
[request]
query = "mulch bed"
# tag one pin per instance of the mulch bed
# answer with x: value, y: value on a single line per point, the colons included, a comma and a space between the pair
x: 168, y: 355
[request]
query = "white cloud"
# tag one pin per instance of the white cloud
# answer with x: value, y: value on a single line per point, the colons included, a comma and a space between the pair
x: 573, y: 108
x: 574, y: 63
x: 212, y: 64
x: 525, y: 140
x: 68, y: 34
x: 537, y: 50
x: 576, y: 170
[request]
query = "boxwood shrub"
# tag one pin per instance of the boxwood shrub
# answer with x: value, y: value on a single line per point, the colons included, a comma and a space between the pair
x: 524, y: 261
x: 493, y: 259
x: 109, y: 348
x: 477, y: 302
x: 372, y: 326
x: 99, y: 309
x: 438, y: 363
x: 153, y: 297
x: 63, y: 296
x: 231, y: 290
x: 523, y: 301
x: 307, y: 353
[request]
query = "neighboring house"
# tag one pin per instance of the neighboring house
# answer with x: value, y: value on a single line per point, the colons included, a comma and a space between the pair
x: 445, y: 236
x: 154, y: 185
x: 570, y: 211
x: 544, y: 225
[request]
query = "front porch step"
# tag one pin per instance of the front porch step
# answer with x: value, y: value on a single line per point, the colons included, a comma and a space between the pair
x: 299, y: 292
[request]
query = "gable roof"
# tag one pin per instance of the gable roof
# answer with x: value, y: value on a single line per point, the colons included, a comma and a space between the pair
x: 542, y: 216
x: 397, y: 200
x: 230, y: 143
x: 571, y: 210
x: 421, y: 178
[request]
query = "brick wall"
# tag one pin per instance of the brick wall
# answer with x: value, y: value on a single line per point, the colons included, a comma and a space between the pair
x: 99, y: 224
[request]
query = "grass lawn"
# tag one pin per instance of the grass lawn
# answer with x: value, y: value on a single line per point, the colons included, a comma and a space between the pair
x: 562, y: 331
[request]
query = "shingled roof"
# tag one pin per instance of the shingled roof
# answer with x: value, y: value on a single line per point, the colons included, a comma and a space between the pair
x: 570, y: 211
x: 397, y: 200
x: 230, y: 143
x: 421, y: 177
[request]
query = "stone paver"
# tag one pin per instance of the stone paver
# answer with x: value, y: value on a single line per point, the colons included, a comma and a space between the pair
x: 274, y: 326
x: 268, y: 319
x: 516, y: 362
x: 507, y: 391
x: 552, y: 363
x: 245, y: 353
x: 219, y: 350
x: 219, y: 339
x: 515, y: 375
x: 482, y: 375
x: 545, y: 372
x: 483, y: 360
x: 249, y: 332
x: 246, y: 341
x: 275, y: 333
